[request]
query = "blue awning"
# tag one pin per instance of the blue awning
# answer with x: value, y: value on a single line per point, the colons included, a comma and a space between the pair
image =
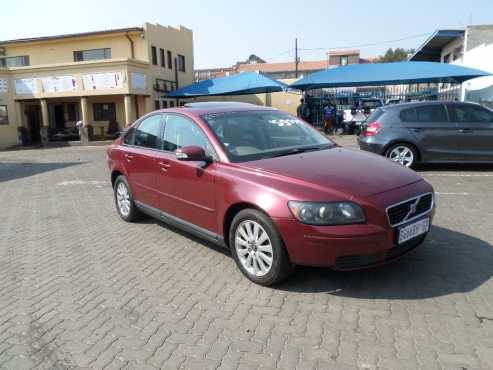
x: 239, y: 84
x: 378, y: 74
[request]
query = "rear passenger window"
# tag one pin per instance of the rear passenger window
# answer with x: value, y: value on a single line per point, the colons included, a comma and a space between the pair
x: 469, y: 113
x: 408, y: 115
x: 147, y: 134
x: 431, y: 113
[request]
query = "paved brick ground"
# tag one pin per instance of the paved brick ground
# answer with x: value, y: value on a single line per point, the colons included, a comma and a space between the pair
x: 82, y: 289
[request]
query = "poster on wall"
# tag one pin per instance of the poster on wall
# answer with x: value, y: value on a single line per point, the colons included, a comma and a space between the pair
x: 25, y: 86
x: 103, y: 81
x: 138, y: 81
x: 4, y: 86
x: 53, y: 84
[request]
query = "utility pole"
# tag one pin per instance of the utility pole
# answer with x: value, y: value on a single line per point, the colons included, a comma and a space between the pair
x: 296, y: 60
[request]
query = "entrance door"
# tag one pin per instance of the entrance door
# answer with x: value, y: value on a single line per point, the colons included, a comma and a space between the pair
x: 59, y: 117
x: 33, y: 117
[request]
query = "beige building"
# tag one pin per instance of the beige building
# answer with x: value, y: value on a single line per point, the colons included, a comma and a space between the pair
x: 107, y: 79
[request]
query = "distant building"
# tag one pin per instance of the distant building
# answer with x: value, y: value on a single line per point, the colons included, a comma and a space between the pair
x: 469, y: 47
x: 103, y: 78
x: 344, y: 57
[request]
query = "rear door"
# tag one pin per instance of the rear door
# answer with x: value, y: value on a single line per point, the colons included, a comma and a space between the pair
x: 140, y: 160
x: 435, y: 135
x: 475, y: 131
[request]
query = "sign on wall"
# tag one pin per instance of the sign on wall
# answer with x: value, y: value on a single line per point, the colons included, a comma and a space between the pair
x: 53, y: 84
x: 103, y: 81
x: 4, y: 85
x: 25, y: 86
x: 138, y: 80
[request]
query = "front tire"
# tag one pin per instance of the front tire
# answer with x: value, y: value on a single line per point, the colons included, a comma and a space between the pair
x: 258, y: 249
x: 403, y: 154
x: 124, y: 200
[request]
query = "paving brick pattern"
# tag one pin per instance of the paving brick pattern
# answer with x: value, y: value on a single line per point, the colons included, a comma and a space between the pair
x: 81, y: 289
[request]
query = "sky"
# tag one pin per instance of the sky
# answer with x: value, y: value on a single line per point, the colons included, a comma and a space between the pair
x: 229, y: 31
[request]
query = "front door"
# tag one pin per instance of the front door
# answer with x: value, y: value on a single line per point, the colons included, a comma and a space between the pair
x: 59, y: 117
x: 140, y: 160
x: 475, y: 131
x: 187, y: 189
x: 33, y: 119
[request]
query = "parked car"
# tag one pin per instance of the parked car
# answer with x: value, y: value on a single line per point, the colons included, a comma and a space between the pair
x: 430, y: 132
x: 356, y: 117
x: 269, y: 187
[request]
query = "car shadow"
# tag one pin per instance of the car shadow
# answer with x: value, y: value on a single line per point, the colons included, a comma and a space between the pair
x: 16, y: 170
x: 447, y: 262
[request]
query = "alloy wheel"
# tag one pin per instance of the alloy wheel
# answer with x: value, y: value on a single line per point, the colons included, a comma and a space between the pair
x: 254, y: 248
x: 123, y: 199
x: 402, y: 154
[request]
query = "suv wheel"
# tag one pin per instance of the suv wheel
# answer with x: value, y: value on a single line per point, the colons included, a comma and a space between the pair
x: 404, y: 154
x: 258, y: 249
x: 124, y: 200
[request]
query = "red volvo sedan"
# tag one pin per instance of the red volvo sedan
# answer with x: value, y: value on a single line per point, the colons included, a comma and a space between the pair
x: 269, y: 187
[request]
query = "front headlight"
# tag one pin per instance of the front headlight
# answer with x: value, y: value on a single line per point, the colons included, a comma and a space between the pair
x: 322, y: 213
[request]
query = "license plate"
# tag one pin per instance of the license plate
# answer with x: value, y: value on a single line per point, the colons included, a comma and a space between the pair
x: 413, y: 230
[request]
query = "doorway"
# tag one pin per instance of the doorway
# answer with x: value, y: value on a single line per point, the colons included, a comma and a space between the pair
x: 59, y: 117
x: 33, y: 119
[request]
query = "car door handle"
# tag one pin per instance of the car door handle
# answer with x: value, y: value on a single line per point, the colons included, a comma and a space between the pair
x: 129, y: 157
x: 164, y: 165
x: 465, y: 130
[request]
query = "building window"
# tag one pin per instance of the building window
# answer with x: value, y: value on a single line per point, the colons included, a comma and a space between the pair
x: 94, y: 54
x: 170, y: 60
x: 154, y: 55
x: 4, y: 116
x: 181, y: 63
x: 156, y: 105
x: 161, y: 56
x: 171, y: 104
x: 165, y: 104
x: 344, y: 60
x: 22, y: 61
x: 104, y: 112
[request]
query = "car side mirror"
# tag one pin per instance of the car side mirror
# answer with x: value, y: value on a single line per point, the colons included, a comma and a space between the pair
x: 191, y: 153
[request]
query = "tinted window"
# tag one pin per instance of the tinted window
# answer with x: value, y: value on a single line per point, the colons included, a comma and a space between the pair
x: 408, y: 115
x: 431, y: 113
x: 180, y: 131
x: 470, y: 113
x: 129, y: 137
x: 148, y: 132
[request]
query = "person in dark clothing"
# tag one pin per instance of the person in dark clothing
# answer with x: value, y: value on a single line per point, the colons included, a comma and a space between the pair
x: 303, y: 111
x: 329, y: 116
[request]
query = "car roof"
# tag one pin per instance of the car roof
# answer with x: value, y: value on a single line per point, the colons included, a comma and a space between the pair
x: 423, y: 103
x: 201, y: 108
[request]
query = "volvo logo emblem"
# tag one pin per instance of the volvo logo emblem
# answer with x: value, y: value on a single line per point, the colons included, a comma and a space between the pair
x: 413, y: 208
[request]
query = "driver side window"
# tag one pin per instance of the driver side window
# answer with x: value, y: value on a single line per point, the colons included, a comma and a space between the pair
x: 180, y: 131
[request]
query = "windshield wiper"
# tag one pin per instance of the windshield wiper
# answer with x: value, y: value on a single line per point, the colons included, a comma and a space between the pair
x: 300, y: 150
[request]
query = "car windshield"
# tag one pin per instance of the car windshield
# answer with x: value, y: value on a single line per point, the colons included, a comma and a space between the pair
x: 252, y: 135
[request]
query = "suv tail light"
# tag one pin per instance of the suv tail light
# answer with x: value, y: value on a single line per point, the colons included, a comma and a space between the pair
x: 371, y: 129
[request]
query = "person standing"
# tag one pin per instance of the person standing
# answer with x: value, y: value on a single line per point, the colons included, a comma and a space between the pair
x: 328, y: 118
x: 303, y: 111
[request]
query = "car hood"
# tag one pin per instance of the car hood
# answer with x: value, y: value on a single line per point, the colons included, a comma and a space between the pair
x: 352, y: 172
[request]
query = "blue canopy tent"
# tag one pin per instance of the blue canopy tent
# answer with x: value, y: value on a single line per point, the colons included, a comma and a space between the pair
x: 378, y: 74
x: 238, y: 84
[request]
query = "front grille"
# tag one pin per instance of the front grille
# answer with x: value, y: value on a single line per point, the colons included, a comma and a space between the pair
x: 410, y: 209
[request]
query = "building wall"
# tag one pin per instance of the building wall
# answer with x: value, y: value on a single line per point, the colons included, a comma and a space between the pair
x: 8, y: 133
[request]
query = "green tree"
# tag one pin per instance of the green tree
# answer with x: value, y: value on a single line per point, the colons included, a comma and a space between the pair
x: 395, y: 55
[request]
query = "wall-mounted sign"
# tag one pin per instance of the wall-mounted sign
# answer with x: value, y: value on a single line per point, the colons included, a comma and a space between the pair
x: 138, y: 80
x: 25, y: 86
x: 53, y: 84
x: 103, y: 81
x: 4, y: 86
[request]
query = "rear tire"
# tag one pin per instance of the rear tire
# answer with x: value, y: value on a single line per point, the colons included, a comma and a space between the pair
x: 124, y: 200
x: 404, y: 154
x: 258, y: 249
